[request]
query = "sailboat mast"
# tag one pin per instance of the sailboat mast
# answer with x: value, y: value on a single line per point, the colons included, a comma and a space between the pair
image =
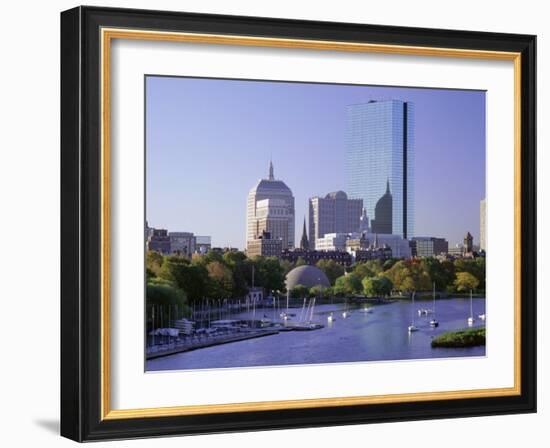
x: 412, y: 310
x: 434, y: 298
x: 287, y: 298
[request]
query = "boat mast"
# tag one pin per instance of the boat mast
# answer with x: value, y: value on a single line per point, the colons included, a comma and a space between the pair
x: 412, y: 310
x: 434, y: 299
x: 471, y: 305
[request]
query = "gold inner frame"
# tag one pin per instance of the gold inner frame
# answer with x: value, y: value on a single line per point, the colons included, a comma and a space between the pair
x: 107, y: 35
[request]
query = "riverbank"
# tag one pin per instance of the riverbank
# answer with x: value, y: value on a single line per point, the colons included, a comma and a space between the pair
x: 473, y: 337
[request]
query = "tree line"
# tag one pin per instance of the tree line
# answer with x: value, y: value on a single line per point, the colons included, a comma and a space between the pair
x: 377, y: 278
x: 175, y: 280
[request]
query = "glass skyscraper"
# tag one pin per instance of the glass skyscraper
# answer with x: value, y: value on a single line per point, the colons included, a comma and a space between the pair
x: 380, y: 151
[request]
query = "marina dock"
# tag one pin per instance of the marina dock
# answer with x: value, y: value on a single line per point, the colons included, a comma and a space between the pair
x: 174, y: 348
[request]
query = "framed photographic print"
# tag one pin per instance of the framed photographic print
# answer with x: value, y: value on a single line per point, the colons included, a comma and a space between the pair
x: 273, y: 223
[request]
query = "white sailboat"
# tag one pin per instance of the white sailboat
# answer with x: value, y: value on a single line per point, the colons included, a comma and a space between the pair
x: 471, y: 319
x: 284, y: 315
x: 412, y: 327
x: 345, y: 314
x: 434, y: 323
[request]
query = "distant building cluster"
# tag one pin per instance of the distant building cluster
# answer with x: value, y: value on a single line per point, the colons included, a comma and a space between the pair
x: 373, y: 219
x: 176, y: 243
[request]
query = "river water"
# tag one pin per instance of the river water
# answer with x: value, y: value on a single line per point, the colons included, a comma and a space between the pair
x: 376, y: 336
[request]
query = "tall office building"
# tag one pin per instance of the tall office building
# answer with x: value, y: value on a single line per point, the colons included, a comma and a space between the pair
x: 380, y: 151
x: 270, y: 208
x: 334, y: 213
x: 482, y: 224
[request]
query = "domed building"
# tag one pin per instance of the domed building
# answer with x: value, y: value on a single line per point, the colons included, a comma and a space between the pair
x: 308, y: 276
x: 270, y: 208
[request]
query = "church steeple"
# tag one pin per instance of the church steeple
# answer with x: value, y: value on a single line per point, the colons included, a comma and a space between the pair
x: 304, y: 243
x: 271, y: 177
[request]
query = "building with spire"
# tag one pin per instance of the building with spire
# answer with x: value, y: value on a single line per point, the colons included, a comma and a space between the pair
x: 383, y: 213
x: 468, y: 243
x: 380, y: 149
x: 304, y: 243
x: 334, y: 213
x: 364, y: 222
x: 270, y: 210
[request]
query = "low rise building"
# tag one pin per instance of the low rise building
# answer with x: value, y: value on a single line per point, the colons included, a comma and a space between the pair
x: 311, y: 257
x: 334, y: 241
x: 372, y: 253
x: 182, y: 243
x: 203, y: 244
x: 159, y: 241
x: 428, y: 246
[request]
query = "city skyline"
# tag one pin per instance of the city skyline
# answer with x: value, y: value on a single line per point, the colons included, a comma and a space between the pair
x: 210, y: 136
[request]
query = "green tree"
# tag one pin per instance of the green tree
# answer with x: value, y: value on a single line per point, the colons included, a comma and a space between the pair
x: 476, y: 267
x: 221, y: 280
x: 442, y: 273
x: 190, y: 278
x: 300, y: 261
x: 318, y: 291
x: 241, y: 268
x: 286, y: 266
x: 409, y: 276
x: 153, y: 263
x: 362, y: 270
x: 466, y: 281
x: 388, y: 264
x: 347, y: 285
x: 207, y: 258
x: 331, y: 269
x: 299, y: 292
x: 377, y: 286
x: 170, y: 302
x: 268, y: 273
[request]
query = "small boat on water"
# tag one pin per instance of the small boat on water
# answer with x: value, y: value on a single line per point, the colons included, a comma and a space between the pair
x: 481, y: 316
x: 471, y: 319
x: 331, y: 317
x: 345, y: 313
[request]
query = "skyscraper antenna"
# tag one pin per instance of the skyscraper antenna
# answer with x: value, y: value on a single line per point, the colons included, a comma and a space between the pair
x: 271, y: 177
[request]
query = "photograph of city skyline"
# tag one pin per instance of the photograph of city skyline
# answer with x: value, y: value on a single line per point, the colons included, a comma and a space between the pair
x: 306, y: 223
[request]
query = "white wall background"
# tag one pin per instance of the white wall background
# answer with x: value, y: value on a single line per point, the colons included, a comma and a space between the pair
x: 29, y: 186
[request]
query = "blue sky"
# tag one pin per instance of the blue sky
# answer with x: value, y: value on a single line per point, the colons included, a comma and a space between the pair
x: 208, y: 142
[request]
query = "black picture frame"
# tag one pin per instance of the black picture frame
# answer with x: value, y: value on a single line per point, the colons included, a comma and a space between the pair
x: 81, y: 224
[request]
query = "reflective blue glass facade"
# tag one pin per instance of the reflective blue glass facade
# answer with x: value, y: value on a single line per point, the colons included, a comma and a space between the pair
x: 380, y: 149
